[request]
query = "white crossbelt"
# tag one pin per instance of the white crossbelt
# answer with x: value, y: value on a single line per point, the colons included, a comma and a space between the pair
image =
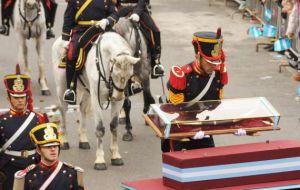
x: 23, y: 153
x: 18, y: 132
x: 51, y: 177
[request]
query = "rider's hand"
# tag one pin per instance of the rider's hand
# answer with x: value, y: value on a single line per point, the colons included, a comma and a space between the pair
x: 102, y: 23
x: 199, y: 135
x: 64, y: 43
x: 241, y: 132
x: 134, y: 17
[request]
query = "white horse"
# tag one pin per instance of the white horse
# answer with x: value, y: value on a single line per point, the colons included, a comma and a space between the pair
x: 29, y: 22
x: 142, y: 71
x: 116, y: 65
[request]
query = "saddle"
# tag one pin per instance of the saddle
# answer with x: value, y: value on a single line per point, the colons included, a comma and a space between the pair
x: 85, y: 44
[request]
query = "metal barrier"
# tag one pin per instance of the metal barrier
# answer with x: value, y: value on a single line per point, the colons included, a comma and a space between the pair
x: 257, y: 11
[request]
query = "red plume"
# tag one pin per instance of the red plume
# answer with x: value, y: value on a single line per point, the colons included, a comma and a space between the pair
x: 219, y: 33
x: 18, y: 70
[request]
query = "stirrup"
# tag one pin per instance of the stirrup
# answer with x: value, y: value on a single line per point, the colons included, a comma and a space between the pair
x: 135, y: 88
x: 161, y: 70
x: 69, y: 97
x: 50, y: 34
x: 4, y: 30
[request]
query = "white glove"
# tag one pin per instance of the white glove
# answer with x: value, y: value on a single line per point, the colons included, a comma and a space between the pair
x: 241, y: 132
x: 64, y: 43
x: 199, y: 135
x: 102, y: 23
x: 134, y: 17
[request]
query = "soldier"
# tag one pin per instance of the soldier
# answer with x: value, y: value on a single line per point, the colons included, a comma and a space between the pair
x: 16, y: 149
x: 79, y: 16
x: 137, y: 9
x: 203, y: 79
x: 7, y: 10
x: 50, y: 173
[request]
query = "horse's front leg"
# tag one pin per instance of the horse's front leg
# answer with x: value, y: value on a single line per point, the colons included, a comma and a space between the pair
x: 41, y: 60
x: 85, y: 110
x: 100, y: 131
x: 127, y: 107
x: 22, y: 53
x: 116, y: 158
x: 63, y: 107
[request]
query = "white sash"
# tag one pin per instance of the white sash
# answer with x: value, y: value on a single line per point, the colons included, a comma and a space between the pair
x: 51, y: 177
x: 18, y: 132
x: 204, y: 91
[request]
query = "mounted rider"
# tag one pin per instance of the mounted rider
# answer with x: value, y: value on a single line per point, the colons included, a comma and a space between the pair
x: 138, y: 12
x: 50, y: 173
x: 16, y: 149
x: 84, y: 20
x: 7, y: 7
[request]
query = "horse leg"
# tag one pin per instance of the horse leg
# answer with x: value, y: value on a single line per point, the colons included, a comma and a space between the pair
x: 85, y: 112
x: 63, y: 130
x: 22, y: 54
x: 41, y: 60
x: 127, y: 107
x: 100, y: 162
x: 116, y: 158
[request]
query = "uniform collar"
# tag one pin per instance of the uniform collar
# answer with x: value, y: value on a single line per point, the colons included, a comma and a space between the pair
x: 197, y: 68
x: 51, y: 167
x: 16, y: 113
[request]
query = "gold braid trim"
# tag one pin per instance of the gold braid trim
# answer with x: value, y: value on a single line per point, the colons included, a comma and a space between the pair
x: 176, y: 98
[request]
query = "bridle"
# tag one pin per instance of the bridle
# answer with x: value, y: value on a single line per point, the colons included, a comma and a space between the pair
x: 28, y: 23
x: 110, y: 83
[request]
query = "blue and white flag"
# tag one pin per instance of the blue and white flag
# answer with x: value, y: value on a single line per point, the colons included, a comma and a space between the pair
x: 269, y: 30
x: 282, y: 44
x: 254, y: 32
x: 268, y: 14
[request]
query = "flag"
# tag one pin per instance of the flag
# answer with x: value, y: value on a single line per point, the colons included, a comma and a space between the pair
x: 269, y: 30
x: 282, y: 44
x: 254, y: 32
x: 268, y: 14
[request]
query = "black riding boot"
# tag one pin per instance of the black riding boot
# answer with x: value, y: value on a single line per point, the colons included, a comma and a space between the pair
x: 50, y: 16
x: 157, y: 69
x: 70, y: 93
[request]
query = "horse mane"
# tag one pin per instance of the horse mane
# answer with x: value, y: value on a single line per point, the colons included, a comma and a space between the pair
x: 119, y: 45
x: 122, y: 26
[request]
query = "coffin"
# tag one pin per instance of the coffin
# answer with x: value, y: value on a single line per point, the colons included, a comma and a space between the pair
x: 229, y: 166
x: 213, y: 117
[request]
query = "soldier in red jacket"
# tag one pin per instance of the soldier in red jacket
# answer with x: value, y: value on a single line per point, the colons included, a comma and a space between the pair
x: 202, y: 79
x: 16, y: 149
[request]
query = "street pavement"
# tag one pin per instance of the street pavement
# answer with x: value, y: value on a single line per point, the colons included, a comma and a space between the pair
x: 251, y: 74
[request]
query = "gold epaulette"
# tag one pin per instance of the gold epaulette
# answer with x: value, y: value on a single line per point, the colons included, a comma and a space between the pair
x: 79, y: 171
x: 19, y: 180
x: 176, y: 98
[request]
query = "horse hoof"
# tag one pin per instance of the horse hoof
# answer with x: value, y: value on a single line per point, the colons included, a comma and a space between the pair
x: 84, y: 145
x: 127, y: 136
x: 46, y: 93
x: 122, y: 121
x: 117, y: 162
x: 101, y: 166
x: 65, y: 146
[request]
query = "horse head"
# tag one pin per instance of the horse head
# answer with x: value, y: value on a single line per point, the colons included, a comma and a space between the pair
x: 121, y: 71
x: 31, y: 4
